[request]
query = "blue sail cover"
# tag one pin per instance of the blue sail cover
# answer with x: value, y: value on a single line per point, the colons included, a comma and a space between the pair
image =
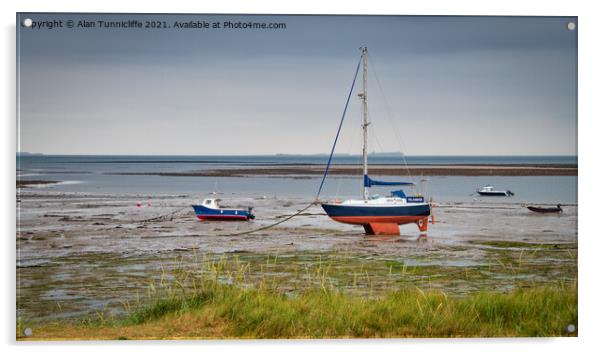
x: 369, y: 182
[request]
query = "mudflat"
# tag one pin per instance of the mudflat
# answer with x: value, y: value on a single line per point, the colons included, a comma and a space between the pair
x: 80, y: 254
x: 384, y: 170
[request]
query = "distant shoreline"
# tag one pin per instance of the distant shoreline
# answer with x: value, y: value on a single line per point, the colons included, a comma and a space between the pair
x: 33, y: 183
x: 291, y: 170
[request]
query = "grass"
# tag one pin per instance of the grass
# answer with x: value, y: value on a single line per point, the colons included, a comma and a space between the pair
x: 226, y: 311
x: 516, y: 244
x: 222, y: 298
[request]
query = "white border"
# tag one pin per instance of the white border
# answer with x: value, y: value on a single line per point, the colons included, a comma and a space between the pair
x: 589, y: 137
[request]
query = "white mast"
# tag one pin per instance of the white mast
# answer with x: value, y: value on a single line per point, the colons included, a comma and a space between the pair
x: 364, y: 97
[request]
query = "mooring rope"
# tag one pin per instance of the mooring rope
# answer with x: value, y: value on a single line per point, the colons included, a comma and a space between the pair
x: 155, y: 218
x: 273, y: 224
x: 334, y: 144
x: 316, y: 201
x: 171, y: 214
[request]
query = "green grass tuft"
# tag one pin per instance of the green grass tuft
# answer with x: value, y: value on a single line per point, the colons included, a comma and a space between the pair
x: 331, y: 297
x: 319, y: 313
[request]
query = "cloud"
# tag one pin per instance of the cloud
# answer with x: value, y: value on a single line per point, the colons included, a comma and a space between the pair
x: 453, y: 86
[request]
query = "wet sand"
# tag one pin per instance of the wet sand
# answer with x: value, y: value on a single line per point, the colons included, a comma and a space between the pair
x: 78, y: 254
x: 384, y: 170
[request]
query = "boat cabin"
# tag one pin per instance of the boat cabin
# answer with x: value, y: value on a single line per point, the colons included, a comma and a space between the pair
x: 410, y: 199
x: 211, y: 203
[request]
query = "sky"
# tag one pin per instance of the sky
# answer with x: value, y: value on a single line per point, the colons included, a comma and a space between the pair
x: 436, y: 86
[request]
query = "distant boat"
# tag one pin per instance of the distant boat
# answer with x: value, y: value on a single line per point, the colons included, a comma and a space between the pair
x: 378, y: 215
x: 488, y: 191
x: 211, y: 210
x: 556, y: 209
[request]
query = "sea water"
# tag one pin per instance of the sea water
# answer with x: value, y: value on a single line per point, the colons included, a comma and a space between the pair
x: 103, y: 174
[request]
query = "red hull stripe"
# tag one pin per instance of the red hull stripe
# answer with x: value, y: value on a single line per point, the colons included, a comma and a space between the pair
x: 229, y: 217
x: 364, y: 220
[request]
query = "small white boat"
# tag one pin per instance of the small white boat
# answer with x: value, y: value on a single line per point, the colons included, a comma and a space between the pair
x: 488, y: 191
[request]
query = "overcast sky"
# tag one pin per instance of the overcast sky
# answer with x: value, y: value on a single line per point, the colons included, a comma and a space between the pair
x: 454, y: 86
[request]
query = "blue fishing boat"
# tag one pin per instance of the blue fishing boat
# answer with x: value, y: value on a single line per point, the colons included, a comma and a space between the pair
x: 378, y: 215
x: 211, y: 210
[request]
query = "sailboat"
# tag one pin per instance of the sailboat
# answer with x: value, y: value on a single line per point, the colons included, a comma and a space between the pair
x: 378, y: 215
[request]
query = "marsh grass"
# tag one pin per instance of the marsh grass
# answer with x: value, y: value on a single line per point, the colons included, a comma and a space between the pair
x: 108, y: 285
x: 221, y: 296
x: 323, y: 310
x: 319, y: 313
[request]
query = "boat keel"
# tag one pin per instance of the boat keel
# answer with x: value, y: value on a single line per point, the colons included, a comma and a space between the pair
x: 387, y: 228
x: 381, y: 228
x: 386, y: 225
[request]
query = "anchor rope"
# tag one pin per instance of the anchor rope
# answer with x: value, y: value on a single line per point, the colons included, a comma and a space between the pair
x: 334, y: 144
x: 164, y: 216
x: 274, y: 224
x: 316, y: 201
x: 155, y: 218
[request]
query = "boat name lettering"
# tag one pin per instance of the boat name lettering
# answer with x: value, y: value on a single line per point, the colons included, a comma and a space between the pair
x: 415, y: 199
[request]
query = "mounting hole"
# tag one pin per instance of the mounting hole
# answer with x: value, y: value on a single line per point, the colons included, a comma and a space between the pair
x: 27, y: 22
x: 570, y: 328
x: 571, y: 26
x: 27, y: 332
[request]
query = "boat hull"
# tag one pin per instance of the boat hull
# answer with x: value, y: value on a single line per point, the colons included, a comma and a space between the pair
x: 544, y: 210
x: 494, y: 194
x: 380, y: 220
x: 203, y: 213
